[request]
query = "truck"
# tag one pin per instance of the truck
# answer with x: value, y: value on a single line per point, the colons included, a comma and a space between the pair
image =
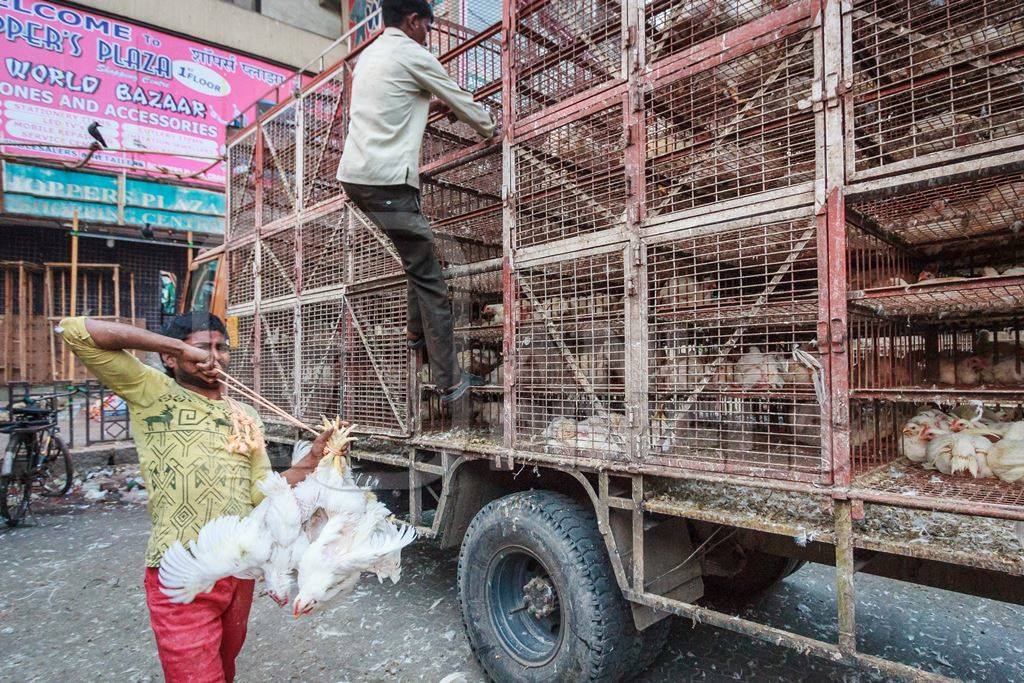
x: 731, y: 270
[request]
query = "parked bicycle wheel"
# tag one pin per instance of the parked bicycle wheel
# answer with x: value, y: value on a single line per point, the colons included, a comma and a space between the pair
x: 56, y: 471
x: 16, y: 486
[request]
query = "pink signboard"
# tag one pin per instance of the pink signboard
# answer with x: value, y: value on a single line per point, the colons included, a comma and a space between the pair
x: 62, y: 69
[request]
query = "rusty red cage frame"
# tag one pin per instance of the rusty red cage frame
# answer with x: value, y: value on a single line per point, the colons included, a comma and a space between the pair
x: 701, y: 234
x: 632, y: 126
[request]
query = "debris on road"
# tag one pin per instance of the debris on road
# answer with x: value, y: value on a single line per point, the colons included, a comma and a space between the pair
x: 111, y: 484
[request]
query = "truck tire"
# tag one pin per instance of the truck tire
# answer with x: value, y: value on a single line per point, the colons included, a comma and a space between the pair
x: 650, y: 643
x: 761, y: 572
x: 539, y: 598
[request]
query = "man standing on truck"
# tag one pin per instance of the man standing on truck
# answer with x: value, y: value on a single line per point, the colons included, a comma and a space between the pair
x: 392, y: 86
x: 181, y: 423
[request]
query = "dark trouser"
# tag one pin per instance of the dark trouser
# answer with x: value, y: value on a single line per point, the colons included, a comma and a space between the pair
x: 395, y: 209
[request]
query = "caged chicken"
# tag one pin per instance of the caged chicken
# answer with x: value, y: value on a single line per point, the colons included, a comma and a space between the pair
x: 755, y: 369
x: 1006, y: 458
x: 319, y: 536
x: 976, y: 441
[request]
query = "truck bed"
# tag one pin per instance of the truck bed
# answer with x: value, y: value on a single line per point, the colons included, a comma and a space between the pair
x: 979, y: 542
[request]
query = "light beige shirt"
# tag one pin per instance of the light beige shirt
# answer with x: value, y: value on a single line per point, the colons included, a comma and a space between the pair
x: 392, y: 84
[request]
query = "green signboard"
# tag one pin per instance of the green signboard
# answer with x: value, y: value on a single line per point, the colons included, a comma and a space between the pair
x: 56, y: 193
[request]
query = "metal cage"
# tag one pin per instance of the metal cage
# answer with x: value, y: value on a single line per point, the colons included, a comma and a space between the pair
x: 685, y: 254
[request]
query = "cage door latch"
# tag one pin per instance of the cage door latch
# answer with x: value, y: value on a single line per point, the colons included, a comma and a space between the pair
x: 826, y: 94
x: 831, y: 336
x: 837, y: 335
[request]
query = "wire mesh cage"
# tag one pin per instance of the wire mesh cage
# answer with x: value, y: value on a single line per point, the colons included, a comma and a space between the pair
x: 933, y: 401
x: 474, y: 62
x: 277, y: 264
x: 242, y: 176
x: 467, y: 188
x: 470, y: 238
x: 938, y: 250
x: 735, y: 380
x: 740, y: 127
x: 280, y: 164
x: 376, y: 364
x: 731, y: 101
x: 932, y: 78
x: 570, y: 357
x: 571, y: 180
x: 563, y: 48
x: 325, y: 254
x: 963, y: 359
x: 242, y: 271
x: 242, y: 349
x: 935, y: 353
x: 478, y: 315
x: 928, y: 451
x: 322, y: 360
x: 984, y: 208
x: 672, y: 27
x: 373, y: 257
x: 324, y: 126
x: 277, y: 359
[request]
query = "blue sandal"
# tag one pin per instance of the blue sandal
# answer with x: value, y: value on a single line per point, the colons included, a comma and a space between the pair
x: 468, y: 380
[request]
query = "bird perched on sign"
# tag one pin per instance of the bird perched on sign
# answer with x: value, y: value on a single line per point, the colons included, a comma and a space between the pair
x: 94, y: 132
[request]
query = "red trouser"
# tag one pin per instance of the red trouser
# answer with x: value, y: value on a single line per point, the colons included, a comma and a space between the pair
x: 198, y: 642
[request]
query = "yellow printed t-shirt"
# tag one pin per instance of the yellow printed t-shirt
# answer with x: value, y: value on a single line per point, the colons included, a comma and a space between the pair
x: 181, y: 438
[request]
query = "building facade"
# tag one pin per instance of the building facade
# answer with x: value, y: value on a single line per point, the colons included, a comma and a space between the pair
x: 114, y: 117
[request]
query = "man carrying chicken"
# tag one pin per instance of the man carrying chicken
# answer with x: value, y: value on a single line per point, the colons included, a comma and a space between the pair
x: 392, y: 86
x: 194, y: 466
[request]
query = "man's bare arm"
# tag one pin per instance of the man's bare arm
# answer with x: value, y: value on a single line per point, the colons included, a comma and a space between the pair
x: 305, y: 467
x: 121, y: 337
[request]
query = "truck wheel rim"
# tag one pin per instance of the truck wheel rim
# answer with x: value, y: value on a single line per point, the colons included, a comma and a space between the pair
x: 524, y: 605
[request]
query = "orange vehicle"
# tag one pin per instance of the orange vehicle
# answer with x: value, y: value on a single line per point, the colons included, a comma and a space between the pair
x: 206, y: 283
x: 206, y: 287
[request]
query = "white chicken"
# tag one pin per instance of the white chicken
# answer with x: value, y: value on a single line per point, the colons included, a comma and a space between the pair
x: 493, y: 314
x: 279, y: 571
x: 927, y: 277
x: 604, y: 434
x: 331, y: 488
x: 960, y: 452
x: 1008, y: 372
x: 560, y: 433
x: 969, y: 371
x: 683, y: 292
x: 755, y: 369
x: 284, y: 535
x: 345, y: 548
x: 937, y: 418
x: 992, y: 417
x: 795, y: 373
x: 916, y: 435
x: 232, y: 545
x: 1006, y: 459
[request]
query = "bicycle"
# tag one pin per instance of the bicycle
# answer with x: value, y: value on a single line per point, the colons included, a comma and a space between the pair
x: 36, y: 454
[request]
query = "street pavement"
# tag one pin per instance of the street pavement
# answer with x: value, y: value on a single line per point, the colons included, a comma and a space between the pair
x: 72, y: 609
